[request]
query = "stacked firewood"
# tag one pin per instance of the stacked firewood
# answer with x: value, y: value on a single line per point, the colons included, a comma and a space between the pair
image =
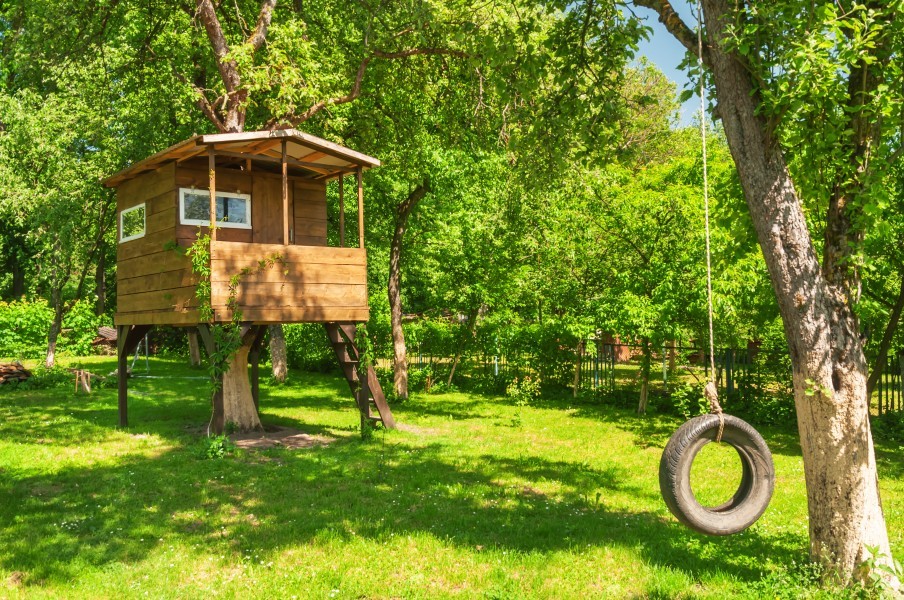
x: 13, y: 372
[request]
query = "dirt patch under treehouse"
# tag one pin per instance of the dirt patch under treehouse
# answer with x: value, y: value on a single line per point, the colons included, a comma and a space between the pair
x: 285, y: 437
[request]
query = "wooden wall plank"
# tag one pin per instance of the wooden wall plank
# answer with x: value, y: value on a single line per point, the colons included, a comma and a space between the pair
x: 158, y: 262
x: 249, y: 255
x: 157, y: 318
x: 267, y: 295
x: 187, y: 234
x: 151, y: 243
x: 300, y: 315
x: 228, y: 180
x: 310, y: 213
x: 295, y: 273
x: 156, y: 281
x: 162, y: 219
x: 146, y: 186
x: 266, y: 210
x: 177, y: 299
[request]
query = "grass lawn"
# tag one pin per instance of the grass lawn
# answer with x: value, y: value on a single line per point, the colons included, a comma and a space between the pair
x: 461, y: 503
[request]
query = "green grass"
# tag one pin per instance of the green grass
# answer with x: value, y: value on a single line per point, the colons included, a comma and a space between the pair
x: 460, y: 503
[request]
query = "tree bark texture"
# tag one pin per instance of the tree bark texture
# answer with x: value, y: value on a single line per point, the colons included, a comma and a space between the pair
x: 100, y: 283
x: 278, y: 353
x: 238, y: 403
x: 400, y: 355
x: 194, y: 349
x: 645, y: 363
x: 53, y: 334
x: 829, y: 367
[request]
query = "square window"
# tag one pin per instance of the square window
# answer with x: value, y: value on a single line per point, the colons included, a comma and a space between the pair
x: 132, y: 223
x: 233, y: 210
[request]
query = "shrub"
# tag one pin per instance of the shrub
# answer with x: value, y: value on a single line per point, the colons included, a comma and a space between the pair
x: 23, y: 328
x: 80, y: 329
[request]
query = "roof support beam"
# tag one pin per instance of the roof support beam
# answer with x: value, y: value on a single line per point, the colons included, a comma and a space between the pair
x: 285, y: 195
x: 360, y: 173
x: 212, y: 175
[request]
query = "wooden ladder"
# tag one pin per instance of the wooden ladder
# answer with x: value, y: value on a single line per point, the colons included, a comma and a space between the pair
x: 365, y: 386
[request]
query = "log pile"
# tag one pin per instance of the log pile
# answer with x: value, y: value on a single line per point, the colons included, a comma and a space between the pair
x: 13, y: 372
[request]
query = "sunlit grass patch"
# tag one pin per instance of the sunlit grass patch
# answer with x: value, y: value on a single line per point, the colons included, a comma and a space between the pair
x: 458, y: 503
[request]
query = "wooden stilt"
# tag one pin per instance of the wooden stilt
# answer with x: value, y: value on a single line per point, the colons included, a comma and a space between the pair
x: 127, y: 339
x: 342, y: 211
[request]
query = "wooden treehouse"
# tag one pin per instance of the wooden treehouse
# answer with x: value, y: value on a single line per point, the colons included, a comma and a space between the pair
x: 274, y: 254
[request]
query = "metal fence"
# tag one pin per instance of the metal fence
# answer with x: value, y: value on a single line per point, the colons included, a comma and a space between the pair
x: 890, y: 387
x: 606, y: 368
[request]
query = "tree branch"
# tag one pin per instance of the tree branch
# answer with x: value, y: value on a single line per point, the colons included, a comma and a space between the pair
x: 203, y: 103
x: 228, y: 69
x: 259, y: 35
x: 673, y: 23
x: 355, y: 91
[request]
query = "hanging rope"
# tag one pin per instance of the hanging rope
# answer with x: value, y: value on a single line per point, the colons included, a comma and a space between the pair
x: 710, y: 391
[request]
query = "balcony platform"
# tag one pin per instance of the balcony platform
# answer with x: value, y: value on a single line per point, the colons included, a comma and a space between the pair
x: 274, y: 283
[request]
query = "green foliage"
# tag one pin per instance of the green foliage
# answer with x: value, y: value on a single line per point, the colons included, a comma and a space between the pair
x: 80, y: 328
x: 23, y: 328
x: 308, y: 348
x: 24, y: 325
x: 216, y: 447
x: 688, y: 401
x: 43, y: 378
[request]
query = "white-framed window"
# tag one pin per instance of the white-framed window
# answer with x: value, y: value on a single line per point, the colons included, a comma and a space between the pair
x: 132, y: 223
x: 233, y: 210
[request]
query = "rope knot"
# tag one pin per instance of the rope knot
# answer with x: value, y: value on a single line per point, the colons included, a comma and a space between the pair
x: 712, y: 394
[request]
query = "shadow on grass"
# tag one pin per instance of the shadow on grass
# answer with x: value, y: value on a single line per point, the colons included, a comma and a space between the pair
x: 275, y: 500
x: 266, y: 502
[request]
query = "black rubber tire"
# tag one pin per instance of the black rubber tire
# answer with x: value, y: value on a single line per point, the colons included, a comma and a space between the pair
x: 757, y: 481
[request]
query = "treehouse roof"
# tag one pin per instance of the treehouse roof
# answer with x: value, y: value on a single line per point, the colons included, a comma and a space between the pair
x: 309, y: 154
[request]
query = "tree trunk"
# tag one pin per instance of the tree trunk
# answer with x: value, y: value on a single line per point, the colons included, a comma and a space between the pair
x: 885, y: 343
x: 278, y: 353
x: 18, y: 280
x: 645, y: 363
x: 100, y: 283
x: 238, y: 403
x: 56, y: 301
x: 400, y: 355
x: 469, y: 333
x: 194, y: 349
x: 829, y: 368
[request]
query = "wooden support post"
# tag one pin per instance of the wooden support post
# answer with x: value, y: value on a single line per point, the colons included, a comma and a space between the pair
x: 194, y: 349
x: 342, y: 211
x: 212, y: 183
x: 360, y: 173
x: 218, y: 421
x: 123, y: 375
x: 285, y: 195
x: 127, y: 339
x: 254, y: 357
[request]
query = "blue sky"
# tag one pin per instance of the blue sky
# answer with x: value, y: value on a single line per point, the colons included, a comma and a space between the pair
x: 665, y: 52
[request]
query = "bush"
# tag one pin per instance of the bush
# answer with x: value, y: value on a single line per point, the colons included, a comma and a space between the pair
x: 80, y: 329
x: 23, y: 328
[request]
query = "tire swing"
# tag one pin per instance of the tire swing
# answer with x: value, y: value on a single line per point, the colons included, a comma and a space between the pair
x: 758, y: 473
